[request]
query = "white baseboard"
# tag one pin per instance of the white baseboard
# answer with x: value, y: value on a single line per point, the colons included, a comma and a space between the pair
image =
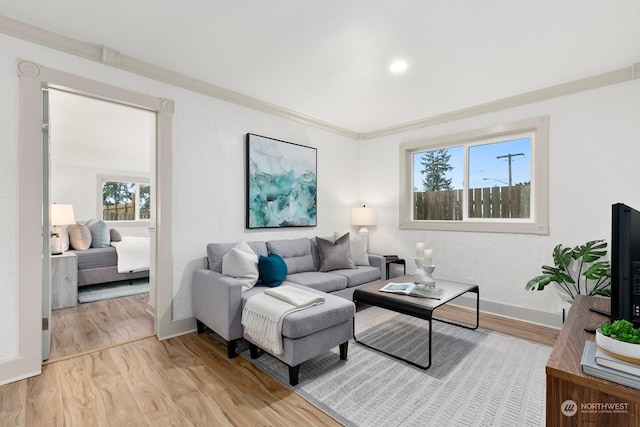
x: 524, y: 314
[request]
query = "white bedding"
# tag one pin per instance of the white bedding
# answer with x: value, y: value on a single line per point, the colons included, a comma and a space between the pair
x: 133, y: 253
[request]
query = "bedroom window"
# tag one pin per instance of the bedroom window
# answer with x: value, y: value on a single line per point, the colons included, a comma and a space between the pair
x: 492, y: 180
x: 124, y: 199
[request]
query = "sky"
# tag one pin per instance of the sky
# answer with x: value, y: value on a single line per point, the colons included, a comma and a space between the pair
x: 485, y: 169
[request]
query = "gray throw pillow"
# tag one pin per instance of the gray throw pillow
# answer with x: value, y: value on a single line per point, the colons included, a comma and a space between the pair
x: 115, y: 235
x: 334, y: 256
x: 79, y: 237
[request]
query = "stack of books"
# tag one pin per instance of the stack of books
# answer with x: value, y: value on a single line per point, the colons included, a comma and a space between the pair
x: 599, y: 364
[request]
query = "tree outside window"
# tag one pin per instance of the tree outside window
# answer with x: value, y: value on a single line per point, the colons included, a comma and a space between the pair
x: 125, y: 200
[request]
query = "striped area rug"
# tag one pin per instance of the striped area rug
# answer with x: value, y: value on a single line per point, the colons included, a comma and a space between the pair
x: 477, y: 378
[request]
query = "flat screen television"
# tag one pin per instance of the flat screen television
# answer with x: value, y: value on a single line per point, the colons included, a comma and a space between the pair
x: 625, y: 264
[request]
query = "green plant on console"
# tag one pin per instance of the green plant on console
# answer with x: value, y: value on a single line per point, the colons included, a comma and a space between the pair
x: 570, y: 264
x: 621, y: 330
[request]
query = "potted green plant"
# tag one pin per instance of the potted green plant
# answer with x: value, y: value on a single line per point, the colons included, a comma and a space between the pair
x: 620, y: 339
x: 577, y: 270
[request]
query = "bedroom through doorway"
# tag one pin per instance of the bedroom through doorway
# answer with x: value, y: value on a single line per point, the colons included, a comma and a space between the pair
x: 100, y: 164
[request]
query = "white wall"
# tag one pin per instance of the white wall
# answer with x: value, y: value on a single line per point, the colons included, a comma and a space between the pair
x: 594, y: 149
x: 208, y: 172
x: 90, y: 137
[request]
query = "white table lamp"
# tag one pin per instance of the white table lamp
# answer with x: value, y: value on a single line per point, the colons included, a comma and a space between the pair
x: 364, y: 217
x: 60, y: 215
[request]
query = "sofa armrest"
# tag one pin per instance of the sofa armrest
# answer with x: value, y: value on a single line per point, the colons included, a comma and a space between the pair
x: 378, y: 261
x: 217, y: 302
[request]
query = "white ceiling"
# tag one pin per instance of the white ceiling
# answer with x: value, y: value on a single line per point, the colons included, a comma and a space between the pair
x: 329, y: 59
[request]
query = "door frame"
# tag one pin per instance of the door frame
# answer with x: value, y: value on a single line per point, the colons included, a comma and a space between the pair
x: 33, y: 78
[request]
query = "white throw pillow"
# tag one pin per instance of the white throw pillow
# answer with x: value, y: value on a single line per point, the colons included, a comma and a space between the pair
x: 358, y: 248
x: 241, y: 263
x: 359, y: 253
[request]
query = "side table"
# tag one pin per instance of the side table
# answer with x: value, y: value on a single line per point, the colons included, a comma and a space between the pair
x: 64, y: 280
x: 393, y: 259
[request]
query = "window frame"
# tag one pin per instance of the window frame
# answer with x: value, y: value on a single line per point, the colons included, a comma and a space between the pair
x: 102, y: 178
x: 539, y: 220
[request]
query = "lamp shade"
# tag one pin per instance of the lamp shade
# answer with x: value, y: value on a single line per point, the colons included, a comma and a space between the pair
x: 62, y: 214
x: 364, y: 216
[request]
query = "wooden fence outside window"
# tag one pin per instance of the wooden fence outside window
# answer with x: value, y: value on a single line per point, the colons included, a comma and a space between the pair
x: 488, y: 202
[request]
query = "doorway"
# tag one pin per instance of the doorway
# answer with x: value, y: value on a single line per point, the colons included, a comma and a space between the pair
x: 33, y: 78
x: 91, y: 140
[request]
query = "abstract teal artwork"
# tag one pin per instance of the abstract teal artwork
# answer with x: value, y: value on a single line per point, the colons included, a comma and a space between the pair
x: 281, y: 183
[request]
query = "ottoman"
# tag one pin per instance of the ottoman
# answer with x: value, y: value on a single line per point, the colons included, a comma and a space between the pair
x: 312, y: 331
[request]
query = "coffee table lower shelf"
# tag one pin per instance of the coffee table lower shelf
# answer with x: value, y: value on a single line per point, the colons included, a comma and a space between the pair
x: 421, y: 308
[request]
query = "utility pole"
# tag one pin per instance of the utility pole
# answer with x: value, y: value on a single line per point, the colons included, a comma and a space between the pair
x: 509, y: 157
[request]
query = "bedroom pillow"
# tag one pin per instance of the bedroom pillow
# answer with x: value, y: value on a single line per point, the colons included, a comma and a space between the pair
x: 334, y: 256
x: 100, y: 236
x: 79, y: 237
x: 241, y: 263
x: 115, y: 235
x: 273, y: 269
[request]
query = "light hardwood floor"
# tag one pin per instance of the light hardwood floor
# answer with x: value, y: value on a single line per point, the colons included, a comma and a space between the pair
x: 184, y: 381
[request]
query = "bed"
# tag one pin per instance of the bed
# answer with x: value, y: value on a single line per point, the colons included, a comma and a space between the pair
x: 125, y: 260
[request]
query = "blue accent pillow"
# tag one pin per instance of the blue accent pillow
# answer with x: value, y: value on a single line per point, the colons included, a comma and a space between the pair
x: 100, y: 235
x: 272, y: 270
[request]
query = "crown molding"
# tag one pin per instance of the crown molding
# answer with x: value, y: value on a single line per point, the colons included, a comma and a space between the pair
x: 116, y: 59
x: 588, y: 83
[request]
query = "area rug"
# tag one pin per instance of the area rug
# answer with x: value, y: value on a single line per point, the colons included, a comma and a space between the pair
x: 106, y: 291
x: 477, y: 378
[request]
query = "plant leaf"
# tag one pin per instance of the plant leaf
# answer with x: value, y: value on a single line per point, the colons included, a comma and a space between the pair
x: 590, y: 251
x: 598, y: 270
x: 539, y: 282
x: 562, y: 257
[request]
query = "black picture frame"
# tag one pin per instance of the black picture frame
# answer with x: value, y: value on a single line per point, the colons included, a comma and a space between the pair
x: 281, y: 183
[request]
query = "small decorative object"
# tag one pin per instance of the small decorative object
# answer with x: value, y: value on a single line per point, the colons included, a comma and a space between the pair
x: 424, y: 261
x: 577, y: 271
x: 419, y: 274
x: 281, y: 183
x: 620, y: 340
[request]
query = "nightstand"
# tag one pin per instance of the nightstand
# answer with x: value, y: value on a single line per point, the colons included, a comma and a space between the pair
x: 64, y: 280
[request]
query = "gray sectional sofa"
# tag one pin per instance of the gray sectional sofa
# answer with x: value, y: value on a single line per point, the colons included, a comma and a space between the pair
x: 218, y: 300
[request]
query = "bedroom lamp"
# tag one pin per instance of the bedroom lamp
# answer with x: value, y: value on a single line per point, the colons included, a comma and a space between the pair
x: 364, y: 217
x: 60, y: 215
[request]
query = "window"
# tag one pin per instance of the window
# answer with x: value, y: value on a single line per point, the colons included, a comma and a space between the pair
x: 492, y: 179
x: 124, y: 199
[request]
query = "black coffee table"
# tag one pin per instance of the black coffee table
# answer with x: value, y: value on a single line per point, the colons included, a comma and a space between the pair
x: 421, y: 308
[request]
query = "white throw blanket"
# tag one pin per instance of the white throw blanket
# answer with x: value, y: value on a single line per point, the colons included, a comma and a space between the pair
x: 264, y: 313
x: 134, y: 253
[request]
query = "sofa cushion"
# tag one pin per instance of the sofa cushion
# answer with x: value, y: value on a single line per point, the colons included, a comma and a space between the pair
x: 333, y: 311
x: 324, y: 282
x: 241, y: 263
x: 273, y: 270
x: 295, y: 252
x: 215, y: 252
x: 334, y: 255
x: 359, y: 275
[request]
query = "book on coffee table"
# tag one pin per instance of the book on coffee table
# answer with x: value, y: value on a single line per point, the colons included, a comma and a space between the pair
x: 398, y: 288
x: 411, y: 290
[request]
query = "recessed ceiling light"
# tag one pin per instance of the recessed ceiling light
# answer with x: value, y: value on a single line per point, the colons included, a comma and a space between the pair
x: 398, y: 66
